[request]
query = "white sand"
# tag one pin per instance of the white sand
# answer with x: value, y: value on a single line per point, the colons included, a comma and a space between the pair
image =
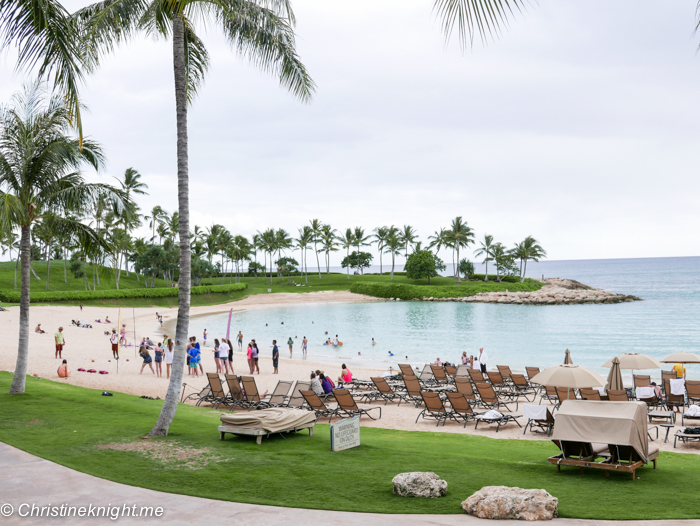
x: 90, y: 349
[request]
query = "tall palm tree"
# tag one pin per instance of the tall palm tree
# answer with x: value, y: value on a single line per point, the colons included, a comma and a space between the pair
x: 329, y: 243
x: 255, y: 246
x: 283, y: 241
x: 40, y: 166
x: 531, y: 250
x: 306, y: 237
x: 380, y: 235
x: 518, y: 252
x: 460, y: 235
x: 486, y: 250
x: 409, y: 237
x: 316, y: 228
x: 268, y: 240
x: 156, y: 218
x: 393, y: 244
x: 347, y: 240
x: 211, y: 243
x: 498, y: 253
x: 437, y: 240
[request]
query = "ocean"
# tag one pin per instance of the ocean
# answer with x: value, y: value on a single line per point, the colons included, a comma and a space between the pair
x: 667, y: 320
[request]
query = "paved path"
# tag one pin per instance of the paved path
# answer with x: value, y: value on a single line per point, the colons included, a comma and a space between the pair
x: 25, y: 478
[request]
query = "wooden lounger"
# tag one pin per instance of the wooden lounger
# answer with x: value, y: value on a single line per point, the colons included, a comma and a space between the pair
x: 260, y: 433
x: 610, y: 458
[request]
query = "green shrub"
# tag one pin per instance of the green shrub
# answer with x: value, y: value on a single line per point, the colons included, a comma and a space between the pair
x: 13, y: 296
x: 408, y: 292
x: 492, y: 277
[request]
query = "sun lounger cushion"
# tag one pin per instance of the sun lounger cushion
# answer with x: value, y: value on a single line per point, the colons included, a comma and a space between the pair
x: 693, y: 411
x: 270, y: 420
x: 490, y: 415
x: 653, y: 450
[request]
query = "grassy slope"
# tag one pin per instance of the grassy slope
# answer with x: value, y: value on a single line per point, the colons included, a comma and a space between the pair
x: 292, y: 471
x: 255, y: 286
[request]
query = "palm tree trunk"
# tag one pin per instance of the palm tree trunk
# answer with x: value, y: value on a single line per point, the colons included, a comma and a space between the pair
x: 458, y: 281
x: 32, y: 268
x: 318, y: 264
x: 380, y: 260
x: 393, y: 258
x: 487, y: 268
x: 119, y: 266
x: 65, y: 265
x: 522, y: 274
x: 48, y: 262
x: 16, y: 265
x: 20, y: 376
x: 167, y: 413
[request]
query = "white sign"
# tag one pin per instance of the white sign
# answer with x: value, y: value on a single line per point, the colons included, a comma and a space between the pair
x: 345, y: 434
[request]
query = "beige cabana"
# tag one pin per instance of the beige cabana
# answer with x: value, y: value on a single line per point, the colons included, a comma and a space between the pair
x: 612, y: 423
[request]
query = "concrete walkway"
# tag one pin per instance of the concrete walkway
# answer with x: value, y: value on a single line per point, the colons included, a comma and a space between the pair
x: 25, y: 478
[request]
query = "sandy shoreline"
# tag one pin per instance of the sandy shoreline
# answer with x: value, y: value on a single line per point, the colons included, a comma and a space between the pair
x: 90, y: 349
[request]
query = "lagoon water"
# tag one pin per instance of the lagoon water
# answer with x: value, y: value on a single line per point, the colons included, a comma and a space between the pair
x: 667, y: 320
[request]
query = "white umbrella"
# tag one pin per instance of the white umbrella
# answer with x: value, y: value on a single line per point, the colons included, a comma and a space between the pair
x: 570, y: 376
x: 633, y: 360
x: 681, y: 357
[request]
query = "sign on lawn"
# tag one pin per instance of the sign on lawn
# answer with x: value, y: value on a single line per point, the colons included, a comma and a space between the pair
x: 345, y: 434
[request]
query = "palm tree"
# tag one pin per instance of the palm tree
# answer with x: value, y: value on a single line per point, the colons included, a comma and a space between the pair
x: 380, y: 235
x: 223, y: 240
x: 316, y: 228
x: 438, y: 240
x: 347, y: 240
x: 283, y: 241
x: 409, y: 237
x: 393, y: 244
x: 460, y: 235
x: 39, y: 174
x: 268, y: 241
x: 255, y: 246
x: 306, y: 237
x: 329, y: 244
x: 156, y: 218
x: 360, y: 239
x: 486, y: 251
x: 531, y: 250
x: 211, y: 243
x: 518, y: 252
x: 498, y: 253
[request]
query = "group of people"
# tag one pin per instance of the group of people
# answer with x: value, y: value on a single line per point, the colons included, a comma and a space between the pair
x: 163, y: 352
x: 322, y: 384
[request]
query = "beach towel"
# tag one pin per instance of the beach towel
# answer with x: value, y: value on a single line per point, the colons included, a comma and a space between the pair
x: 677, y: 386
x: 491, y: 415
x: 601, y: 390
x: 693, y: 411
x: 535, y: 412
x: 645, y: 392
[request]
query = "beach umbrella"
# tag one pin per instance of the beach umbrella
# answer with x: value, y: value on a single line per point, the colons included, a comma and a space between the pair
x: 681, y: 357
x: 567, y: 358
x: 614, y: 377
x: 633, y: 360
x: 568, y: 375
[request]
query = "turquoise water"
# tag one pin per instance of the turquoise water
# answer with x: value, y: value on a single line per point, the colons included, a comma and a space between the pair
x: 519, y: 336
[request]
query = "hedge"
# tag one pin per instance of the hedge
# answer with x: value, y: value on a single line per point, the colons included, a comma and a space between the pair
x: 408, y: 292
x: 492, y: 277
x: 13, y: 296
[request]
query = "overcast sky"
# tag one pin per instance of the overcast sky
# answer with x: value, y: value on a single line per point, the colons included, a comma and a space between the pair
x: 580, y: 126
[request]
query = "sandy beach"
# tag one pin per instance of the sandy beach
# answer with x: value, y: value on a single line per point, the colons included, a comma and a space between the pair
x: 90, y: 349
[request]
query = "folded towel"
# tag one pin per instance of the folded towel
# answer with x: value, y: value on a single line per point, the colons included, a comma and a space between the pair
x: 535, y: 412
x: 490, y: 415
x: 645, y: 392
x: 693, y: 411
x: 601, y: 390
x: 677, y: 386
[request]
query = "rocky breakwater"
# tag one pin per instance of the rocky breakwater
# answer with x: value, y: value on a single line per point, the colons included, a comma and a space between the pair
x: 556, y: 291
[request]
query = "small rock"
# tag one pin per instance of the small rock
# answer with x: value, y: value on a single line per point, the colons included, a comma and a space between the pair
x: 419, y: 484
x: 503, y: 502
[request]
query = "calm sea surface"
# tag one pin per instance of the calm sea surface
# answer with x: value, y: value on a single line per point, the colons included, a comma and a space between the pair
x: 667, y: 320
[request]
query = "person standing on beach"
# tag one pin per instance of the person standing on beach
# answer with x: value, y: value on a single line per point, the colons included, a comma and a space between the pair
x: 304, y: 345
x: 224, y: 351
x: 205, y: 338
x: 240, y: 341
x: 122, y: 335
x: 481, y: 360
x: 114, y: 340
x: 275, y: 357
x: 169, y: 356
x: 249, y: 357
x: 256, y: 357
x: 290, y: 342
x: 147, y: 360
x: 159, y: 360
x: 60, y: 342
x: 216, y: 355
x: 199, y: 356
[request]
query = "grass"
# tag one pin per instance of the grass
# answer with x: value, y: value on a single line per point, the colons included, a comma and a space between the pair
x: 66, y: 424
x: 334, y: 281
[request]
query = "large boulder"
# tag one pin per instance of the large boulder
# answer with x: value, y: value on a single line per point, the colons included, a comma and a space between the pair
x: 502, y: 502
x: 419, y: 484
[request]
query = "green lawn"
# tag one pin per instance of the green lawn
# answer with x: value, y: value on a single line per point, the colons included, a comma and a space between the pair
x: 66, y: 424
x: 334, y: 281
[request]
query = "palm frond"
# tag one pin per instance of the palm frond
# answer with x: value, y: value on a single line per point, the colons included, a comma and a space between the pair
x: 475, y: 17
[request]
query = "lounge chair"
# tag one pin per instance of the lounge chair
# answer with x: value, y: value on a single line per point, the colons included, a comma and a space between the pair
x: 451, y: 370
x: 464, y: 386
x: 692, y: 388
x: 564, y: 394
x: 439, y: 374
x: 251, y: 393
x: 684, y: 437
x: 532, y: 372
x: 489, y: 399
x: 667, y: 375
x: 435, y: 408
x: 535, y: 418
x: 236, y: 396
x: 296, y: 399
x: 628, y: 457
x: 461, y: 407
x: 426, y: 376
x: 199, y: 395
x: 348, y: 407
x: 216, y: 395
x: 499, y: 421
x: 590, y: 394
x: 316, y: 405
x: 522, y: 387
x: 476, y: 376
x: 549, y: 394
x: 406, y: 369
x: 413, y: 390
x: 385, y: 392
x: 505, y: 372
x: 642, y: 380
x: 280, y: 396
x: 618, y: 395
x: 496, y: 379
x: 673, y: 400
